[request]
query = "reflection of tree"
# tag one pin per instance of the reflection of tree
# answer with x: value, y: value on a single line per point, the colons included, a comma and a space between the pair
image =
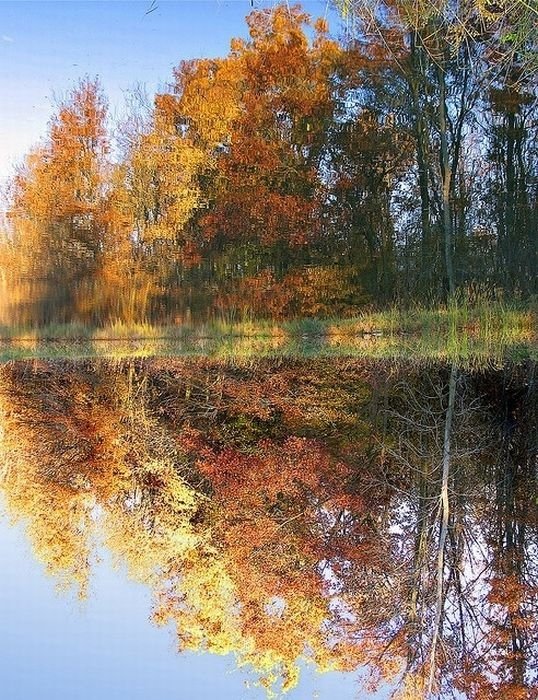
x: 340, y: 512
x: 503, y: 662
x: 423, y: 415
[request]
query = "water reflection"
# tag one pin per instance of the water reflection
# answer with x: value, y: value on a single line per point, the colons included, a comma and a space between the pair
x: 348, y: 512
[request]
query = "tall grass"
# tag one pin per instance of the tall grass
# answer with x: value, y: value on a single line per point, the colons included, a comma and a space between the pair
x: 457, y: 332
x: 484, y: 320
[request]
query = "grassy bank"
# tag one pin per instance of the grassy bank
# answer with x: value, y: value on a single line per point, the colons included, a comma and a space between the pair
x: 470, y: 336
x: 485, y: 321
x: 474, y: 335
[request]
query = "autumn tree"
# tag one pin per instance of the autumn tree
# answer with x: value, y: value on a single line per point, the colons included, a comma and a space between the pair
x: 229, y: 182
x: 58, y: 208
x: 371, y: 154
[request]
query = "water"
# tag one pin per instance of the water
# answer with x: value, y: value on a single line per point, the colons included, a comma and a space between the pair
x: 314, y: 527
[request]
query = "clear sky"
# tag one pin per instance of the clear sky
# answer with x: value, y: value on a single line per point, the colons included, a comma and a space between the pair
x: 46, y: 46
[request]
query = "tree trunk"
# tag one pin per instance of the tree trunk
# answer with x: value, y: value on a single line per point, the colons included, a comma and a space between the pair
x: 446, y: 184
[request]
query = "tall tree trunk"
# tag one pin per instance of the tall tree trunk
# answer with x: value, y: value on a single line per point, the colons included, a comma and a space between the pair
x: 422, y: 154
x: 446, y: 184
x: 510, y: 208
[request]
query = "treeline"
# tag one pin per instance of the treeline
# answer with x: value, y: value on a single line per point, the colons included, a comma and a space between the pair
x: 296, y: 176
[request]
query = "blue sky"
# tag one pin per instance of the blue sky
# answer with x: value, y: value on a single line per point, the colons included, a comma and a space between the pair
x: 46, y: 46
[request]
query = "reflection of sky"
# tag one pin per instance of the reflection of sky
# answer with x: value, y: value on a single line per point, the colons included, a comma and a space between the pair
x: 53, y: 647
x: 46, y: 46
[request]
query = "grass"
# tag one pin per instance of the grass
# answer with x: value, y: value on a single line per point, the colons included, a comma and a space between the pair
x: 484, y: 319
x: 457, y: 331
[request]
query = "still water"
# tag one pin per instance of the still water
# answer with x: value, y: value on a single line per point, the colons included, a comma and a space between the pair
x: 307, y: 528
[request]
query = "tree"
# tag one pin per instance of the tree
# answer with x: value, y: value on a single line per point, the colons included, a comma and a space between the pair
x: 449, y: 46
x: 58, y: 207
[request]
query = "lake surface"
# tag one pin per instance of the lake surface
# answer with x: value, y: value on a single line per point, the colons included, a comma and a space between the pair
x: 310, y: 528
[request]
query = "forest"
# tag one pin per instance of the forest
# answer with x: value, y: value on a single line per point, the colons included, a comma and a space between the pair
x: 298, y: 176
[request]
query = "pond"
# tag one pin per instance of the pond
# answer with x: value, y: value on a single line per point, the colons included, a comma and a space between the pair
x: 307, y: 527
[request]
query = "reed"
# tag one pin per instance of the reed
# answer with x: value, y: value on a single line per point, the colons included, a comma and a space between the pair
x: 458, y: 331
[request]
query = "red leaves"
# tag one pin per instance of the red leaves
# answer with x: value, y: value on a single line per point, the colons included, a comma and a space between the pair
x: 510, y: 593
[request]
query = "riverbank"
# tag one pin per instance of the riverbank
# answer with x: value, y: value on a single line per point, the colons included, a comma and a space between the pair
x: 484, y: 321
x: 468, y: 335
